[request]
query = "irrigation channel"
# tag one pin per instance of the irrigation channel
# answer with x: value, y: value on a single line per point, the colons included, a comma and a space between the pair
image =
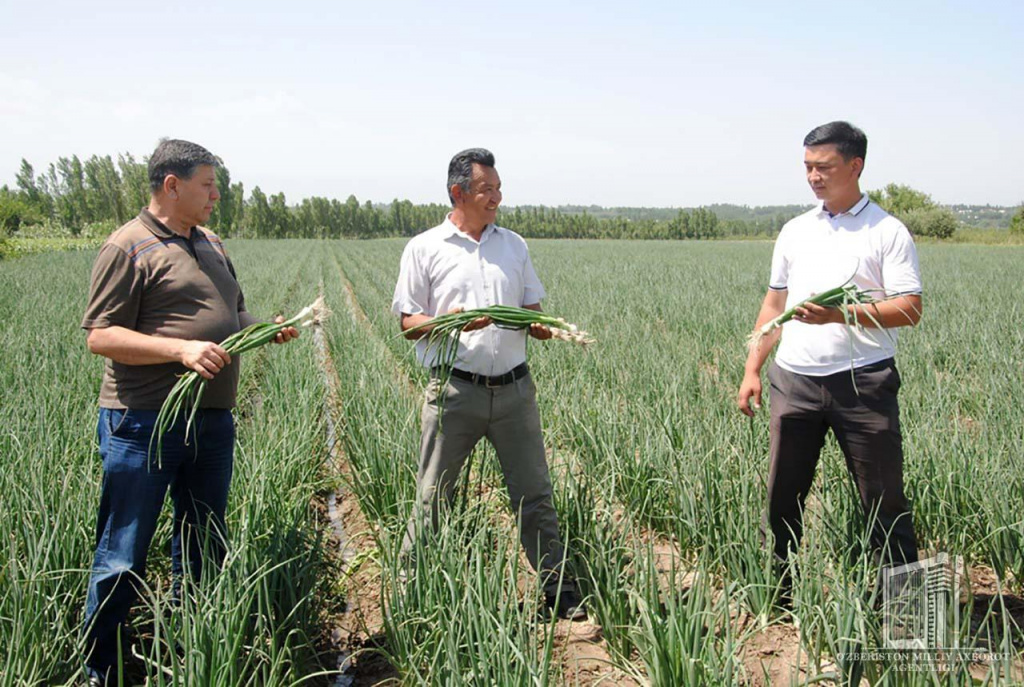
x: 333, y: 457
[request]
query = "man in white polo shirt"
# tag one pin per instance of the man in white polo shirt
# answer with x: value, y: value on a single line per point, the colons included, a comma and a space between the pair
x: 827, y: 374
x: 469, y: 262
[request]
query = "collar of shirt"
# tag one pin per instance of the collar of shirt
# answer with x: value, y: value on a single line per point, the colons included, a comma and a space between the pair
x: 452, y: 230
x: 158, y: 228
x: 854, y: 211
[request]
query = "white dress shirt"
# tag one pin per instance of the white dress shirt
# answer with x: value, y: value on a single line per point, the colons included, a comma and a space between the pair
x: 816, y: 252
x: 444, y: 268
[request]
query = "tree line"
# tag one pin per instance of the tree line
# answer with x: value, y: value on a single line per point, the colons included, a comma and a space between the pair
x: 921, y: 215
x: 72, y: 195
x: 93, y: 196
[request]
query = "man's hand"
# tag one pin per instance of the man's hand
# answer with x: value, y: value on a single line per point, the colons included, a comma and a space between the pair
x: 286, y: 334
x: 540, y: 331
x: 537, y: 330
x: 204, y: 357
x: 750, y: 388
x: 478, y: 323
x: 812, y: 313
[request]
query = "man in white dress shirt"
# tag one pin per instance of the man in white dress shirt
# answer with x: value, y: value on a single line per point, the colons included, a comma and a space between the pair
x: 464, y: 263
x: 826, y: 374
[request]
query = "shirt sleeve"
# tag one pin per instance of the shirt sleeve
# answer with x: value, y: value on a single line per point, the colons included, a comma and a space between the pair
x: 901, y: 273
x: 533, y: 290
x: 412, y: 292
x: 778, y: 280
x: 115, y: 291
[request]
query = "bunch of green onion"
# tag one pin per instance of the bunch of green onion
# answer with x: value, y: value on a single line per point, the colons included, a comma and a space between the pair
x: 444, y: 332
x: 839, y: 297
x: 187, y: 392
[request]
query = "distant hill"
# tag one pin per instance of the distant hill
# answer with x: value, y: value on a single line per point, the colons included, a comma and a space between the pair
x: 984, y: 216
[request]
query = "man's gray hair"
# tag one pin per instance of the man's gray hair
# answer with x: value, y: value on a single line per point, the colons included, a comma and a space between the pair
x: 177, y: 157
x: 460, y: 169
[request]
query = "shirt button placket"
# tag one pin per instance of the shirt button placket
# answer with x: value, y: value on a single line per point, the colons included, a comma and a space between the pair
x: 488, y: 301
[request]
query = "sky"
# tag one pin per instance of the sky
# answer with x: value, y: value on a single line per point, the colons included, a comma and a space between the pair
x: 635, y: 103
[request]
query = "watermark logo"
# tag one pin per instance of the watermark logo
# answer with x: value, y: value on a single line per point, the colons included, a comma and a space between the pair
x: 921, y: 620
x: 920, y: 605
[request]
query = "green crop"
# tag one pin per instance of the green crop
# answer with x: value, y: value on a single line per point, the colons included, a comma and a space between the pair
x: 658, y: 481
x: 443, y: 332
x: 186, y: 395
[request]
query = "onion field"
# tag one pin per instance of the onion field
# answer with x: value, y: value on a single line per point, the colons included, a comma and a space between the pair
x: 659, y: 483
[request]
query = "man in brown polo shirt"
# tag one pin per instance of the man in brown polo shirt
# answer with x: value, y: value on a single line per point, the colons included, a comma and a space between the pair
x: 163, y: 292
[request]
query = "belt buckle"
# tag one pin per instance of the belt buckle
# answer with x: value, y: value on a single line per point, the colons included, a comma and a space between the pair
x: 488, y: 385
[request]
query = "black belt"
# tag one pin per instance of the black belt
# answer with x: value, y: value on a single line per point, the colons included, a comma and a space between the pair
x: 517, y: 372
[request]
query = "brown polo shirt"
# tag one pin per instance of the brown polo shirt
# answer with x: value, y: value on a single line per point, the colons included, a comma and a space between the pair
x: 151, y: 280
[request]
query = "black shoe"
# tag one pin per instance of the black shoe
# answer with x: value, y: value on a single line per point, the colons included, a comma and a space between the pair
x: 567, y: 606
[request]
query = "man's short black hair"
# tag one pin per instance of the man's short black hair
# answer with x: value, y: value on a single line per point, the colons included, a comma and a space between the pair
x: 460, y: 169
x: 848, y: 139
x: 177, y: 157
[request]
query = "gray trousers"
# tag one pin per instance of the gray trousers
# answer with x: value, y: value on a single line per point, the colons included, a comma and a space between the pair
x: 866, y: 423
x: 508, y: 416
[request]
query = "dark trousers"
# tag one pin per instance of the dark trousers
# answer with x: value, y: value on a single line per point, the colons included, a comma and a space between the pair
x: 866, y: 422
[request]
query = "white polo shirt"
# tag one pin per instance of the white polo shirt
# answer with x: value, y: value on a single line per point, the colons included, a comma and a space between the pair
x: 816, y: 252
x: 444, y: 268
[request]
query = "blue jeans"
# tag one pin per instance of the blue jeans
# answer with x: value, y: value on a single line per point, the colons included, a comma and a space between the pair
x: 197, y: 469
